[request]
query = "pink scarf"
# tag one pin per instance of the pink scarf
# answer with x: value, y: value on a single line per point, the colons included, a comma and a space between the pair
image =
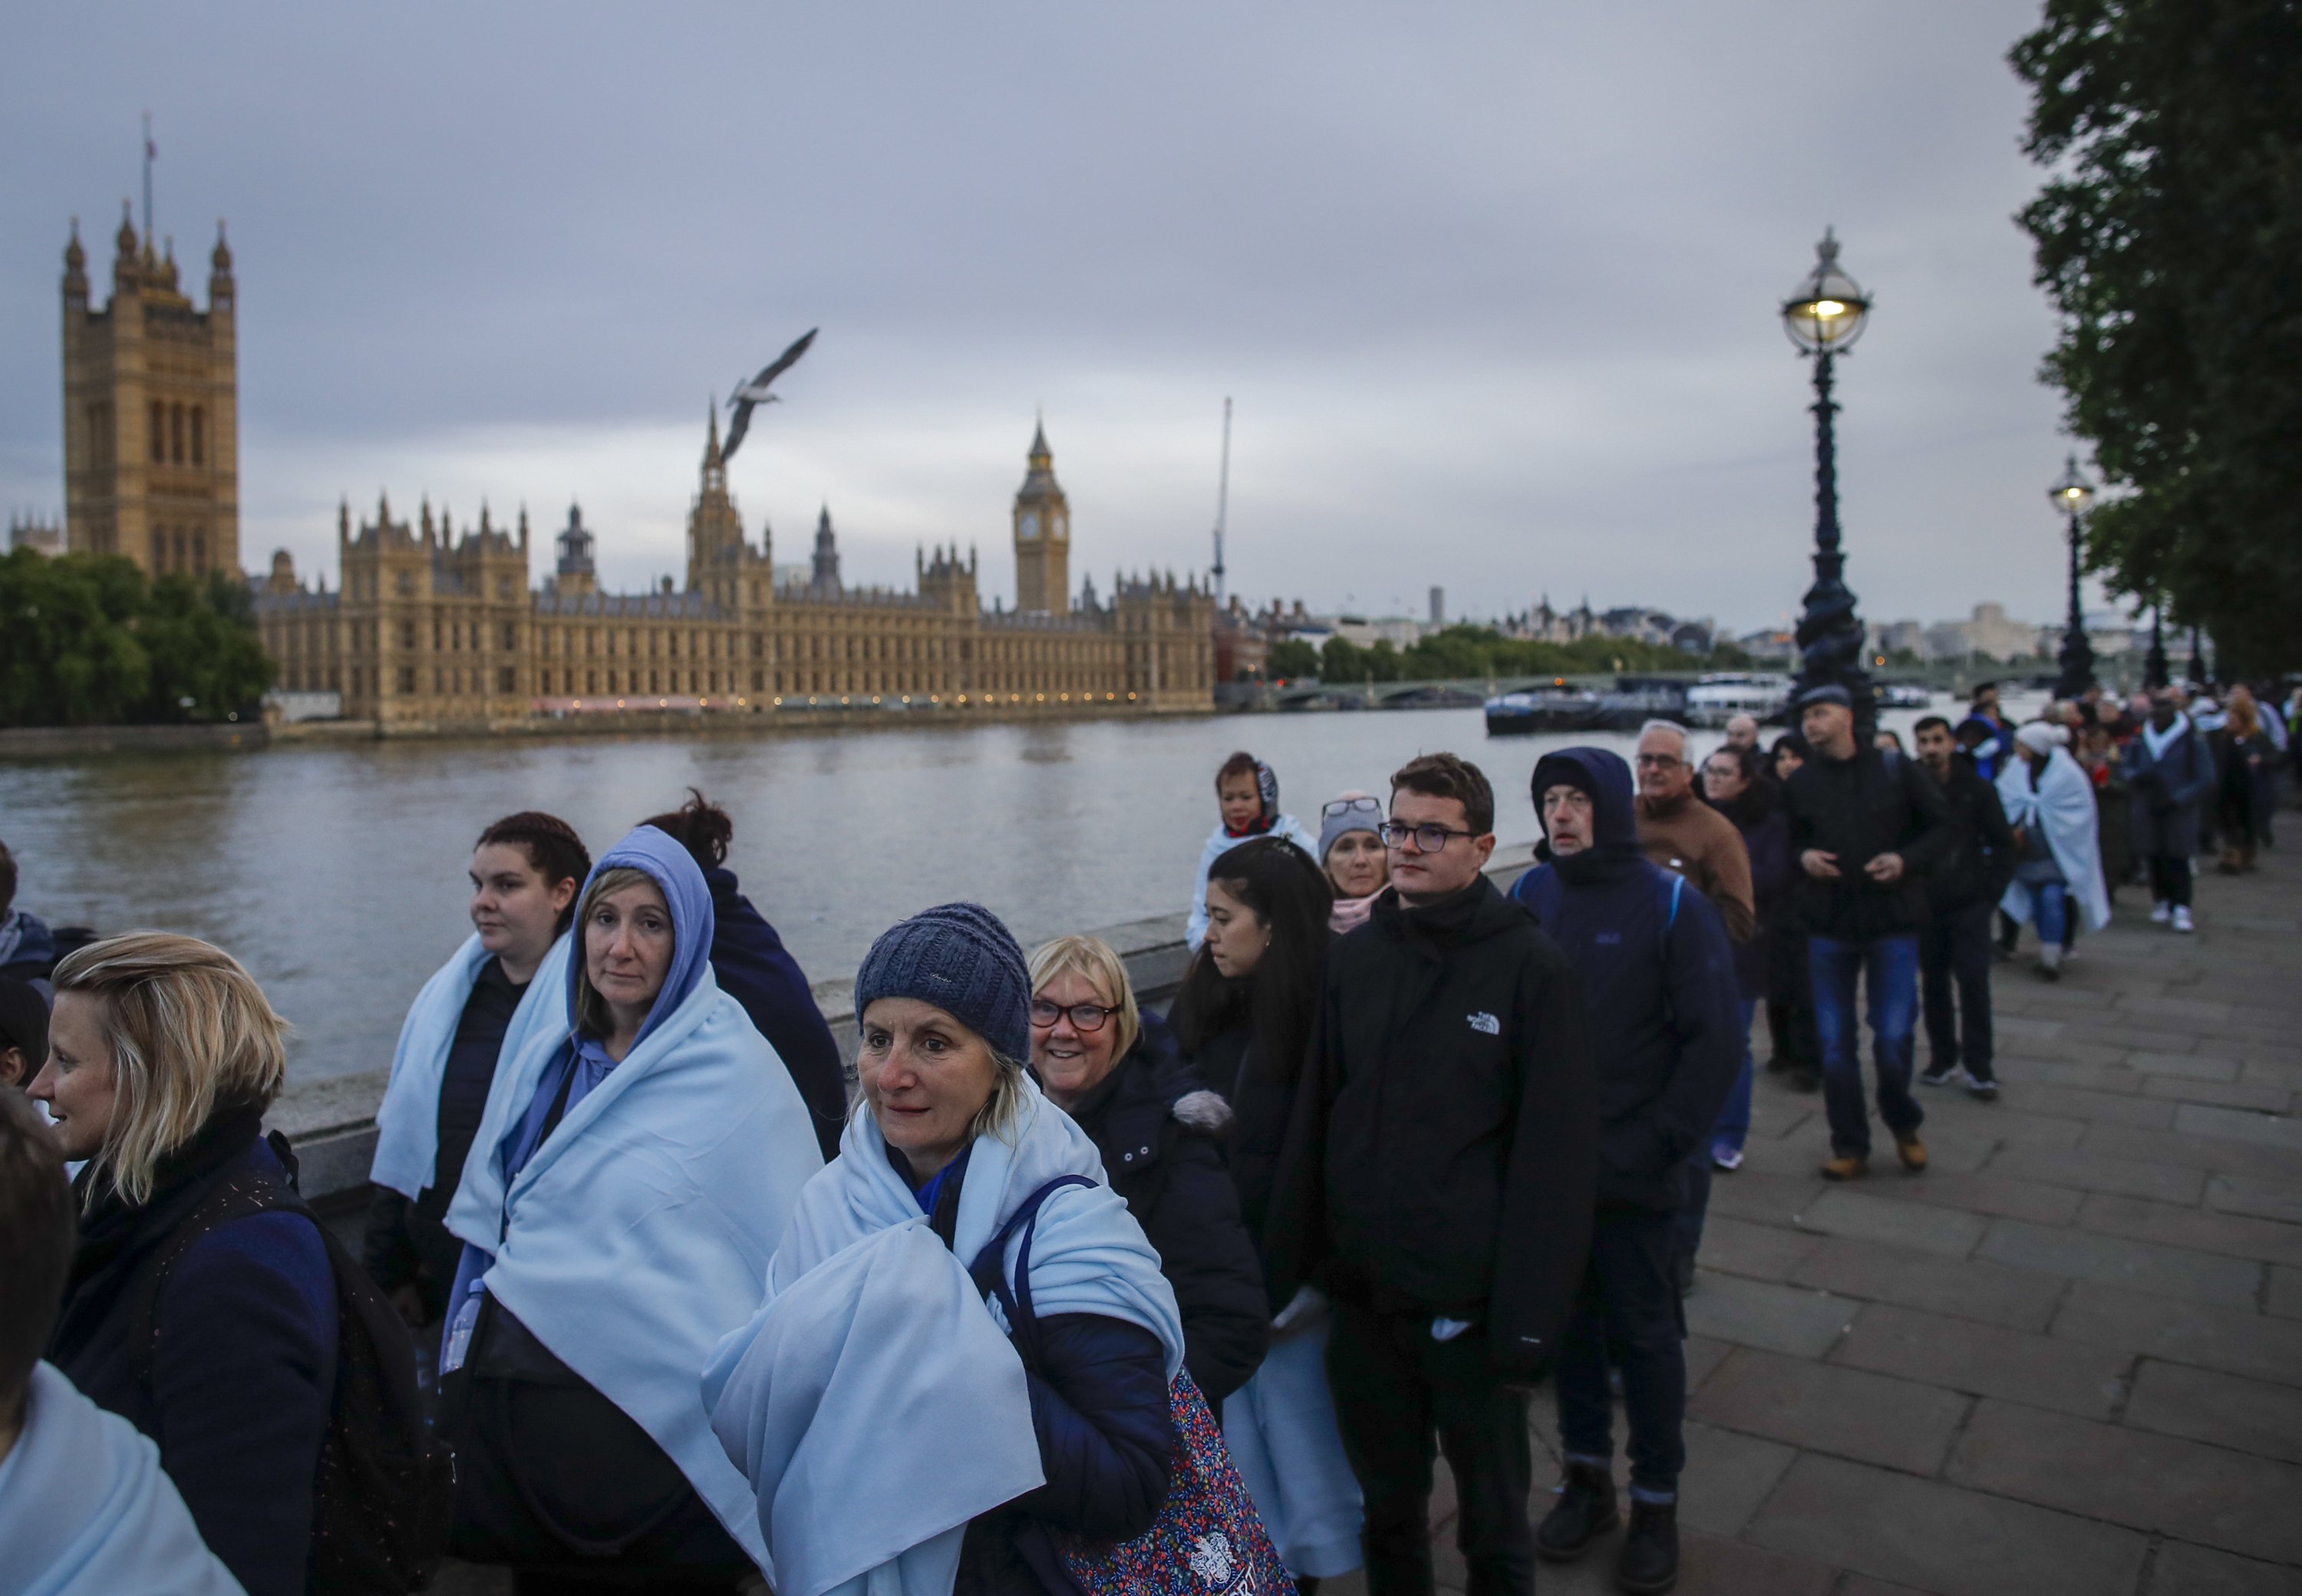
x: 1349, y: 914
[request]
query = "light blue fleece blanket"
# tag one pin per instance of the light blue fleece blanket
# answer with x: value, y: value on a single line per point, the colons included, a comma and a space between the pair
x: 637, y: 1234
x: 873, y: 1400
x: 408, y: 1120
x: 2061, y: 803
x: 85, y: 1509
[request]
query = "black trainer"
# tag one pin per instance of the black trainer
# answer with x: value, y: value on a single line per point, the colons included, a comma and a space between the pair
x: 1649, y: 1559
x: 1584, y: 1512
x: 1937, y: 1074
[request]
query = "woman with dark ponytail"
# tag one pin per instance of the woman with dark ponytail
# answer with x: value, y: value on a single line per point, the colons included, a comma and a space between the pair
x: 752, y: 966
x: 1244, y: 1018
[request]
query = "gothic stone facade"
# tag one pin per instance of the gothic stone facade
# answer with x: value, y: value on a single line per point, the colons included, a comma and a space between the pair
x: 151, y: 412
x: 430, y: 628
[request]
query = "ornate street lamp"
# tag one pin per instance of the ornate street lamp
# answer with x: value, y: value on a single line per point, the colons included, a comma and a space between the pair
x: 2073, y: 493
x: 1824, y: 315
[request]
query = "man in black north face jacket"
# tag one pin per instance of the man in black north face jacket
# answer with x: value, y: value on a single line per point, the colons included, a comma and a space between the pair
x: 1439, y: 1179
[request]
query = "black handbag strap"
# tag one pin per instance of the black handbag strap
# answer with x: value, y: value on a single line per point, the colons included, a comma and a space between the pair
x: 990, y: 1275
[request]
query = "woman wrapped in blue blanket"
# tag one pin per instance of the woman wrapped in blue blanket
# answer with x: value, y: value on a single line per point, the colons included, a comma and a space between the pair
x: 632, y: 1170
x: 500, y: 988
x: 898, y: 1442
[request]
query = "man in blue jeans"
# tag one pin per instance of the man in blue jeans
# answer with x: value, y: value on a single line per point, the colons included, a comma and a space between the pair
x: 1867, y: 826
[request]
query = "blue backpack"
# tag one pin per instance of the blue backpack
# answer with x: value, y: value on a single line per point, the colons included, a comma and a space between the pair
x: 1538, y: 890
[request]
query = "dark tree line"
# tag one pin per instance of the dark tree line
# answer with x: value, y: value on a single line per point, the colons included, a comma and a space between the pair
x: 1462, y: 652
x: 2169, y: 235
x: 87, y: 641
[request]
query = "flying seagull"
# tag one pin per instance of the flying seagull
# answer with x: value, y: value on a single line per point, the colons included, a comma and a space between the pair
x: 755, y: 391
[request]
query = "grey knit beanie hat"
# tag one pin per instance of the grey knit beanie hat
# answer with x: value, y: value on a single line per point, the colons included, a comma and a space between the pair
x: 960, y: 958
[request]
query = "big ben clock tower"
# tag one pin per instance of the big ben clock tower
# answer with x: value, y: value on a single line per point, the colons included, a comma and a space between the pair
x: 1043, y: 535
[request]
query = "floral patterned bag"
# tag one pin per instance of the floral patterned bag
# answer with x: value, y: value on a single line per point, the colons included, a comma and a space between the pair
x: 1207, y: 1540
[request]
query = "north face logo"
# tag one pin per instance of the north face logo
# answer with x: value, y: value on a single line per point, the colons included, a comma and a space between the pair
x: 1486, y: 1024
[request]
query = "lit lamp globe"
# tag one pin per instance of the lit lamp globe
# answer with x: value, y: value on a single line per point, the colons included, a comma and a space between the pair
x: 1825, y: 313
x: 2073, y: 493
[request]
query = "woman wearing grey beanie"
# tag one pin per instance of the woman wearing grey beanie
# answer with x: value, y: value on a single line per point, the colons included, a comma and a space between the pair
x: 871, y: 1315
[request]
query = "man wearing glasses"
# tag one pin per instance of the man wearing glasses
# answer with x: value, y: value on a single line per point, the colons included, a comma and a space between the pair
x: 1438, y: 1181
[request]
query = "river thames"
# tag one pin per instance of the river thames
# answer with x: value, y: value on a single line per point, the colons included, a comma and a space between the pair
x: 336, y: 871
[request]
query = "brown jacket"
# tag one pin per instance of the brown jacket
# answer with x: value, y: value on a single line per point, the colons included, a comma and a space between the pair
x: 1690, y: 837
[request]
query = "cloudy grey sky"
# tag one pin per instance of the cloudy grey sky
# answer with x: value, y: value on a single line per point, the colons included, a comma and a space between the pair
x: 1494, y: 285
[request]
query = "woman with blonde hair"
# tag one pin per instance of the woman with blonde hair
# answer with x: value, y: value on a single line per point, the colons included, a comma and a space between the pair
x: 216, y: 1339
x: 1116, y: 1071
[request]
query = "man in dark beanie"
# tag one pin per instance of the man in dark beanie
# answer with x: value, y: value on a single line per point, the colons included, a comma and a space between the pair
x: 1657, y: 980
x: 1867, y: 829
x: 1437, y: 1180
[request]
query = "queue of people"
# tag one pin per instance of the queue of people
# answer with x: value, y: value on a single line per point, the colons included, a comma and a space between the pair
x: 1212, y: 1287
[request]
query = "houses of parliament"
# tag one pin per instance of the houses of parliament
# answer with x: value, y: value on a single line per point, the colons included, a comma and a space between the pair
x: 431, y: 627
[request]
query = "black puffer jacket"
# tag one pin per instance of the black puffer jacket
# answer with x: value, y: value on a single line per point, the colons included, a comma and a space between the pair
x: 1442, y: 1158
x: 1158, y: 1130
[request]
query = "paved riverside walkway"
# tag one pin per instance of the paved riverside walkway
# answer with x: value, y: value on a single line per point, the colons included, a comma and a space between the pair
x: 2067, y: 1360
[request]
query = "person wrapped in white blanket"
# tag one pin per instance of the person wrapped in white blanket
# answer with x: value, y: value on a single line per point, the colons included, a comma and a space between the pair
x: 2050, y: 802
x: 896, y: 1441
x: 632, y: 1172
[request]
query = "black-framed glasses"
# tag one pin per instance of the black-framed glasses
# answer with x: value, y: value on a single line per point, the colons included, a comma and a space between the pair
x: 1339, y: 807
x: 1084, y: 1016
x: 1659, y: 761
x: 1429, y: 838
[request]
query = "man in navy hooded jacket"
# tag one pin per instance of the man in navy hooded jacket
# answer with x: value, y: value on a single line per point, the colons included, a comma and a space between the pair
x: 1657, y: 979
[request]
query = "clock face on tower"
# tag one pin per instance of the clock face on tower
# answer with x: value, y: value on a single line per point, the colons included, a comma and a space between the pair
x: 1028, y: 526
x: 1057, y: 526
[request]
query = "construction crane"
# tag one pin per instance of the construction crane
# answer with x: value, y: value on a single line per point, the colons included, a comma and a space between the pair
x: 1222, y: 503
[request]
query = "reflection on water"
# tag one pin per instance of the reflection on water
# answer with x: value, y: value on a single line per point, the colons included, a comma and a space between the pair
x: 337, y: 873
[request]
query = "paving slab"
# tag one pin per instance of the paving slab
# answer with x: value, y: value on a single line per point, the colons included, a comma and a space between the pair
x: 2238, y: 1124
x: 1998, y: 1121
x: 2181, y: 1570
x: 2266, y: 1199
x: 1990, y: 1293
x: 2224, y: 1410
x: 1702, y: 1355
x: 2117, y: 1261
x: 1769, y: 1199
x: 2079, y: 1103
x: 2234, y: 1236
x: 2284, y: 1296
x: 2235, y: 1341
x: 2262, y: 1097
x: 2103, y: 1073
x: 1709, y: 1565
x: 1760, y: 1313
x: 1940, y: 1538
x: 1980, y: 1191
x: 1959, y: 1355
x: 1946, y: 1232
x: 2225, y: 1156
x: 2161, y: 1484
x: 1844, y: 1413
x: 1728, y: 1474
x: 1764, y: 1252
x: 2113, y: 1171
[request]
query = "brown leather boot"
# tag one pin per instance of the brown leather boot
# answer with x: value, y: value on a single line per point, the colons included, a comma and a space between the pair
x: 1911, y: 1151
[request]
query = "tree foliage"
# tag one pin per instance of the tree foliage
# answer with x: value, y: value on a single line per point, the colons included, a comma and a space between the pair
x: 2169, y: 235
x: 86, y: 641
x: 1465, y: 653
